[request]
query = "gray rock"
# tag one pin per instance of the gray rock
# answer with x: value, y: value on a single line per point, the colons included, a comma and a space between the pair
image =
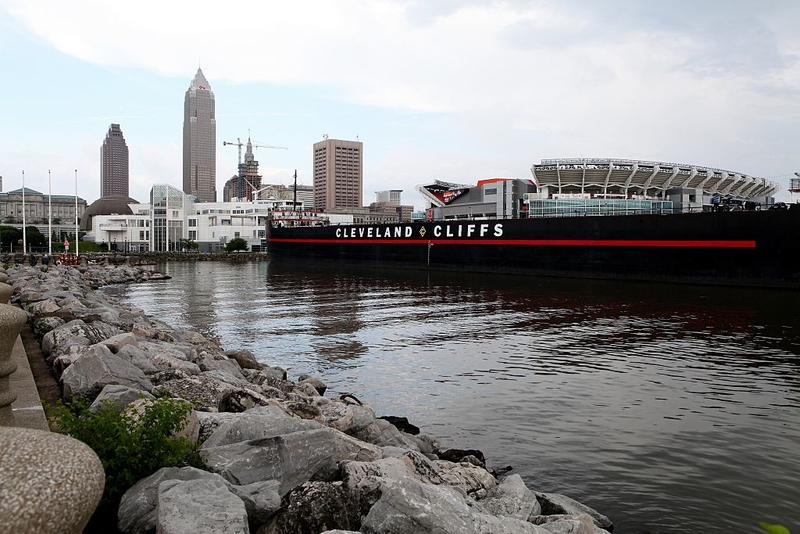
x: 137, y: 508
x: 511, y: 498
x: 137, y: 357
x: 115, y: 343
x: 167, y: 362
x: 244, y: 358
x: 119, y: 396
x: 317, y: 506
x: 555, y: 503
x: 203, y: 392
x: 218, y: 362
x: 569, y: 524
x: 257, y: 423
x: 489, y: 524
x: 41, y: 307
x: 70, y: 333
x: 291, y: 458
x: 199, y: 506
x: 408, y: 506
x: 383, y: 433
x: 43, y: 325
x: 97, y: 368
x: 261, y: 500
x: 242, y: 399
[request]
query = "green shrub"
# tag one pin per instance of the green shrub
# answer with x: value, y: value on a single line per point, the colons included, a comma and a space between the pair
x: 131, y: 445
x: 773, y: 528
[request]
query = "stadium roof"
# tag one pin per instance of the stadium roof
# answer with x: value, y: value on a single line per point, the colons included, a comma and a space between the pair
x: 624, y: 177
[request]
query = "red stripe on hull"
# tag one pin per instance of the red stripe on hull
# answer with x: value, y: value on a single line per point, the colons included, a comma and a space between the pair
x: 647, y: 243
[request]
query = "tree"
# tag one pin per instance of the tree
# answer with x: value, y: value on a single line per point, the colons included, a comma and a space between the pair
x: 237, y: 243
x: 34, y: 237
x: 9, y: 236
x: 189, y: 244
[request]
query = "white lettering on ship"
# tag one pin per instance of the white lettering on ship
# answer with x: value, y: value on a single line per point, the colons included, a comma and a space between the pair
x: 442, y: 230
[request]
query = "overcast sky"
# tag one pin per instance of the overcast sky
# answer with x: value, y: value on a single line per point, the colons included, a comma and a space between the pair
x: 441, y: 89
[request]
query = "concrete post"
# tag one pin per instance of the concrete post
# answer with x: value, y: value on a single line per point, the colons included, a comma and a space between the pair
x: 51, y: 483
x: 12, y: 319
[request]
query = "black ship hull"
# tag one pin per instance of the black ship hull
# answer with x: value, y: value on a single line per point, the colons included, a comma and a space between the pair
x: 748, y: 248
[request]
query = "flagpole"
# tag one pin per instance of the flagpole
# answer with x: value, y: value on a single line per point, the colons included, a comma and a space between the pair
x: 49, y: 214
x: 24, y: 233
x: 77, y: 236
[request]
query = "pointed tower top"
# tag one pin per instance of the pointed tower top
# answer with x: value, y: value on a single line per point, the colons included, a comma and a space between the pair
x: 199, y: 81
x: 248, y: 156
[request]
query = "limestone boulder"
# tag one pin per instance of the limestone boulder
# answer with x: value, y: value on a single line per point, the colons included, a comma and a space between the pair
x: 316, y: 507
x: 408, y: 506
x: 194, y: 506
x: 97, y: 368
x: 511, y: 498
x: 115, y: 343
x: 137, y: 357
x: 261, y: 500
x: 203, y: 392
x: 556, y: 504
x: 137, y: 508
x: 257, y: 423
x: 76, y: 332
x: 382, y: 433
x: 120, y: 396
x: 290, y: 459
x: 244, y: 358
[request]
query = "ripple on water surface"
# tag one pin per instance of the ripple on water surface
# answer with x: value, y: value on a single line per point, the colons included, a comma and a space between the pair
x: 674, y: 409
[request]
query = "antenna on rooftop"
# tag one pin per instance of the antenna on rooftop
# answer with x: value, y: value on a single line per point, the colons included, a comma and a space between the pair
x: 324, y: 136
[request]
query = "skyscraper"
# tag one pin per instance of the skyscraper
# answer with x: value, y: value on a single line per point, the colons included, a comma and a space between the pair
x: 338, y: 174
x: 114, y: 170
x: 200, y: 141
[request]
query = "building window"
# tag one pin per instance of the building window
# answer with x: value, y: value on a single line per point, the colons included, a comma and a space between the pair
x: 192, y: 222
x: 193, y: 235
x: 141, y: 235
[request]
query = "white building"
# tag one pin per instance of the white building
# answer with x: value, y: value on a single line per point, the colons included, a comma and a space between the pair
x: 172, y: 216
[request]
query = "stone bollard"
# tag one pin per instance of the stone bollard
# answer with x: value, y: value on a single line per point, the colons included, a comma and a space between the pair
x: 49, y: 483
x: 12, y: 319
x: 5, y: 293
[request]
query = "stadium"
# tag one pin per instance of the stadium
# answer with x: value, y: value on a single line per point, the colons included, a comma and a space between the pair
x: 600, y: 186
x: 623, y: 178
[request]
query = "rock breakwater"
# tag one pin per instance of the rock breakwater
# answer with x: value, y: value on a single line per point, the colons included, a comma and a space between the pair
x: 281, y: 456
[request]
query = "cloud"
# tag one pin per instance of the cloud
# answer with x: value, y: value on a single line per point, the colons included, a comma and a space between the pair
x: 666, y: 80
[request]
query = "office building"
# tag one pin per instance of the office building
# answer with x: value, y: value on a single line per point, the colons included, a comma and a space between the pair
x: 391, y: 196
x: 199, y: 141
x: 338, y: 174
x: 114, y: 173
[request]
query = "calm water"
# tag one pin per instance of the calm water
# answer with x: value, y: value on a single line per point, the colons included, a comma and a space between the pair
x: 673, y: 409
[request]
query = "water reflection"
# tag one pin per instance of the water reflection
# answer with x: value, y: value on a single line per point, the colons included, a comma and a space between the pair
x: 666, y: 407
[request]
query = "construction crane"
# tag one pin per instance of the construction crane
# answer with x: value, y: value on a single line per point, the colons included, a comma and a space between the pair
x: 240, y: 145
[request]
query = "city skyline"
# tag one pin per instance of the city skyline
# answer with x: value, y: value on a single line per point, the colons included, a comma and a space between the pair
x: 455, y: 91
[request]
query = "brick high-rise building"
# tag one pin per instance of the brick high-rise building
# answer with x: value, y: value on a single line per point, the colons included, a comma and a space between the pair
x: 114, y: 169
x: 338, y: 174
x: 200, y: 141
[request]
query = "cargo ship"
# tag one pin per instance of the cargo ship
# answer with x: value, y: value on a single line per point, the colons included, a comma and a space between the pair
x: 747, y: 248
x: 737, y: 244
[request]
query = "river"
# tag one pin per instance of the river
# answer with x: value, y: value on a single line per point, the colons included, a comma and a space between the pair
x: 669, y: 408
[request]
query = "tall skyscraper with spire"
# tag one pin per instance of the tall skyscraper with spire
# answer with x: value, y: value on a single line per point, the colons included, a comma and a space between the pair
x: 200, y: 140
x: 114, y: 170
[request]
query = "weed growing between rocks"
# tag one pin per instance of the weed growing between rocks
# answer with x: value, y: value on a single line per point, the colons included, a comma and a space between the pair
x: 131, y: 444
